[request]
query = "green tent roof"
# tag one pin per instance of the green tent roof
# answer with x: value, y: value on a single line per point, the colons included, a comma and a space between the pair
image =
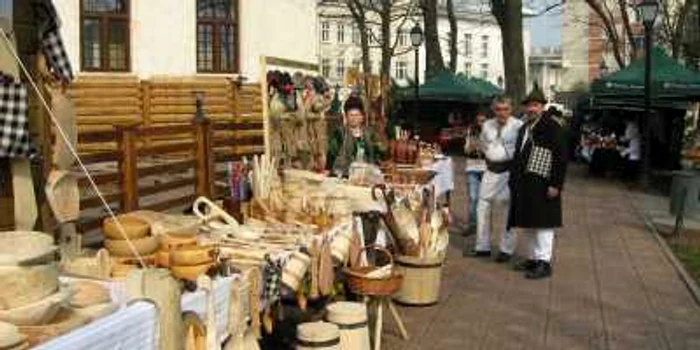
x: 446, y: 86
x: 670, y: 81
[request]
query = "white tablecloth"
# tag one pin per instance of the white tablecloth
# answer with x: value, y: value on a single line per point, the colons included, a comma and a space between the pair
x: 135, y: 326
x: 444, y: 180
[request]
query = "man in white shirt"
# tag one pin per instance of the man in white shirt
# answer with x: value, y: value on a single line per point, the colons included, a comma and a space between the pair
x: 633, y: 152
x: 498, y: 140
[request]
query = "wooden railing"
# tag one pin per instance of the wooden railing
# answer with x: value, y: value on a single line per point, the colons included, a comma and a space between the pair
x: 182, y: 170
x: 144, y: 149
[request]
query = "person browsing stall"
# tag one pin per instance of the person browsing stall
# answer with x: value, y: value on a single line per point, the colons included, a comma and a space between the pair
x: 498, y: 141
x: 475, y: 166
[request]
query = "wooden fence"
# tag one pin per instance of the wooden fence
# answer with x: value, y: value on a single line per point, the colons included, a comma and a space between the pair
x: 146, y: 150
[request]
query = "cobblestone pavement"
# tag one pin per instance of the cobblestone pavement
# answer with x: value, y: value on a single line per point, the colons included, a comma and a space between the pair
x: 613, y: 288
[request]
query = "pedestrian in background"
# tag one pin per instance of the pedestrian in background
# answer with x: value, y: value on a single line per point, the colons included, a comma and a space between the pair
x: 475, y: 166
x: 537, y: 179
x: 498, y: 140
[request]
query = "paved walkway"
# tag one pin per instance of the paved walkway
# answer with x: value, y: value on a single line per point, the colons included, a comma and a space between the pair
x: 612, y: 288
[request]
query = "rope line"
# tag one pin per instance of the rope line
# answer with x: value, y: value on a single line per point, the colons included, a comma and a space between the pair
x: 72, y: 150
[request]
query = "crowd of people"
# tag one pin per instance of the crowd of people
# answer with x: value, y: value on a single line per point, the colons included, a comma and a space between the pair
x: 520, y: 165
x: 606, y: 153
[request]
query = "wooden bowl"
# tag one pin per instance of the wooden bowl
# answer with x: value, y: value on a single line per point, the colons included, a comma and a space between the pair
x: 168, y: 242
x: 10, y: 337
x: 26, y: 247
x: 190, y: 273
x: 134, y: 228
x: 89, y: 293
x: 163, y: 258
x: 149, y: 260
x: 63, y: 322
x: 191, y: 256
x: 24, y: 285
x: 144, y: 246
x: 40, y: 312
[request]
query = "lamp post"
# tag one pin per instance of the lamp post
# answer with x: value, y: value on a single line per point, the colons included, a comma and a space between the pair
x: 648, y: 10
x: 416, y: 42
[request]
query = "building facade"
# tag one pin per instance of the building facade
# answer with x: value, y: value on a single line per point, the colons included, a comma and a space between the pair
x: 479, y: 44
x: 586, y: 49
x: 185, y: 37
x: 545, y: 69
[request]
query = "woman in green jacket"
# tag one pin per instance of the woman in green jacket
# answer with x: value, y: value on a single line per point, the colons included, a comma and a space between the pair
x: 354, y: 142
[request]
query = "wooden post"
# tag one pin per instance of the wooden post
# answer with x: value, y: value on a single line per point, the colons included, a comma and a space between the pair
x: 146, y: 109
x: 204, y: 169
x: 128, y: 172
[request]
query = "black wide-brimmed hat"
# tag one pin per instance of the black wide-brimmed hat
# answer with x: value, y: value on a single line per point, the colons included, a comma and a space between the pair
x: 535, y: 95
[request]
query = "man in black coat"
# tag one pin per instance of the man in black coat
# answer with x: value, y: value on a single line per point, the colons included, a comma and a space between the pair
x: 537, y: 179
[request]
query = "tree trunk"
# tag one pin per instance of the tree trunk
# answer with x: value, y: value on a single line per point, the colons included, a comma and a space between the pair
x: 433, y: 54
x: 453, y: 35
x: 509, y: 16
x: 386, y: 42
x: 358, y: 14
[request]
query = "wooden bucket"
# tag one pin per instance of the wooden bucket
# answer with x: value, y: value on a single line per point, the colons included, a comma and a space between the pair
x: 351, y: 319
x: 295, y: 269
x: 421, y: 280
x: 340, y: 246
x: 318, y: 336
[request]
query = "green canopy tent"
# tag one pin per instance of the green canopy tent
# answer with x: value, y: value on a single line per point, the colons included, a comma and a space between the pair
x: 448, y: 87
x: 673, y: 85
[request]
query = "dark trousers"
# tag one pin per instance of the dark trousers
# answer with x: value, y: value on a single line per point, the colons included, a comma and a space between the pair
x: 631, y: 170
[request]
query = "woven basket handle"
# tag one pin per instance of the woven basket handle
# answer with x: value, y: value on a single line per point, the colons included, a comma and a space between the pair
x: 377, y: 248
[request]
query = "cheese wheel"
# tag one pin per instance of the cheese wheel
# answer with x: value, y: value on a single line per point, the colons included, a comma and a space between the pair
x: 144, y: 246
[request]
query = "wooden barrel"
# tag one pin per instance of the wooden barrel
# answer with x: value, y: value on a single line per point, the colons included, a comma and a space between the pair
x: 421, y: 280
x: 295, y: 269
x: 351, y: 319
x: 318, y: 336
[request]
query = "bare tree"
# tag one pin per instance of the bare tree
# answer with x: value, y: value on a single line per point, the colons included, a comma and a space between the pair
x: 433, y: 54
x: 509, y: 15
x: 359, y: 16
x: 453, y: 35
x: 673, y: 23
x: 608, y: 18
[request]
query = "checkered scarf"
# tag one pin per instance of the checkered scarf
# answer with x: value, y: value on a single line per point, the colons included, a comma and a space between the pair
x: 51, y: 42
x: 272, y: 275
x: 14, y: 126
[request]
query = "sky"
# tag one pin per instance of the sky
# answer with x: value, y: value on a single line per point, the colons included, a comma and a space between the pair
x: 545, y: 30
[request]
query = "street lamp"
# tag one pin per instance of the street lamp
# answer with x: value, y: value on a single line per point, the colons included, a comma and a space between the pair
x: 416, y: 42
x: 647, y: 10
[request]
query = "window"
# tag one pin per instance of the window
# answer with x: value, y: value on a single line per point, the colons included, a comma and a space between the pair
x: 468, y: 45
x: 485, y: 71
x: 356, y: 35
x: 217, y: 36
x: 468, y: 69
x: 325, y: 32
x: 104, y: 27
x: 340, y: 68
x: 341, y: 33
x: 485, y: 46
x: 401, y: 70
x: 326, y: 68
x: 402, y: 41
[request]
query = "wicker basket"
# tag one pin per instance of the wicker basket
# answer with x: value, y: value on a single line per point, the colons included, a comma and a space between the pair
x: 360, y: 284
